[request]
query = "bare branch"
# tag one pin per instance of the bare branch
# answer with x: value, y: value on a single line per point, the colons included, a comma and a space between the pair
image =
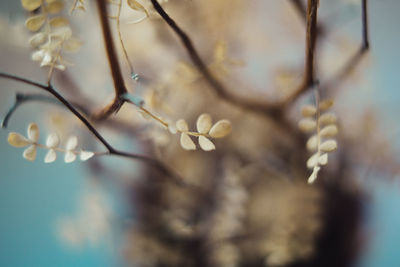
x: 111, y: 150
x: 21, y: 98
x: 364, y: 17
x: 311, y: 38
x: 119, y: 85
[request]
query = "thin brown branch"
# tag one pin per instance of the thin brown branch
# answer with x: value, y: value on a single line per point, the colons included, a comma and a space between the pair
x: 311, y: 38
x: 300, y: 8
x: 119, y: 85
x: 260, y: 107
x: 365, y: 30
x: 111, y: 150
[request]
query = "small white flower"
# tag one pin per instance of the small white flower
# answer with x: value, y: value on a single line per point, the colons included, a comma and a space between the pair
x: 70, y: 154
x: 85, y: 155
x: 33, y: 136
x: 38, y: 55
x: 47, y: 59
x: 17, y: 140
x: 52, y: 142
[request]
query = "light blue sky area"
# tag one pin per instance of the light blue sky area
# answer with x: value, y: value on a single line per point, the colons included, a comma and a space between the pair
x: 383, y: 227
x: 33, y: 197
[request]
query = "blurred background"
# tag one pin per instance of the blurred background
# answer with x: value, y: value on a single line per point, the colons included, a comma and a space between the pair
x: 36, y: 198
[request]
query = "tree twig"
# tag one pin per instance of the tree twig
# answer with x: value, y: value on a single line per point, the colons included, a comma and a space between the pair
x: 110, y: 149
x: 21, y: 98
x: 119, y: 85
x: 311, y: 38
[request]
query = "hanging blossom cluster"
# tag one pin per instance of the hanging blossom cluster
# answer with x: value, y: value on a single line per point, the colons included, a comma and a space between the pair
x: 323, y: 124
x: 52, y: 145
x: 53, y: 34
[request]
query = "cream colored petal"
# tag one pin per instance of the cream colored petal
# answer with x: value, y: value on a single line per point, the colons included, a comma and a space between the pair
x: 51, y: 156
x: 31, y: 5
x: 37, y: 39
x: 59, y: 22
x: 187, y: 143
x: 221, y: 129
x: 206, y: 144
x: 72, y: 143
x: 313, y: 175
x: 17, y: 140
x: 69, y: 157
x: 85, y: 155
x: 60, y: 67
x: 323, y: 159
x: 38, y: 55
x: 308, y: 110
x: 30, y: 153
x: 33, y: 132
x: 326, y: 104
x: 55, y: 7
x: 307, y: 124
x: 312, y: 161
x: 172, y: 128
x: 64, y: 32
x: 204, y: 123
x: 47, y: 59
x: 52, y: 140
x: 327, y: 118
x: 72, y: 45
x: 329, y: 146
x: 135, y: 5
x: 182, y: 125
x: 312, y: 143
x: 34, y: 23
x: 329, y: 131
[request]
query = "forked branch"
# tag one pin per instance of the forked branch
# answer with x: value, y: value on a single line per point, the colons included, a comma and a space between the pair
x: 110, y: 149
x: 311, y: 39
x: 119, y: 85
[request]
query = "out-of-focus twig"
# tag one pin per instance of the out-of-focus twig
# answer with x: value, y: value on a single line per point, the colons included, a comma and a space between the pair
x: 354, y: 59
x: 119, y: 85
x: 274, y: 110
